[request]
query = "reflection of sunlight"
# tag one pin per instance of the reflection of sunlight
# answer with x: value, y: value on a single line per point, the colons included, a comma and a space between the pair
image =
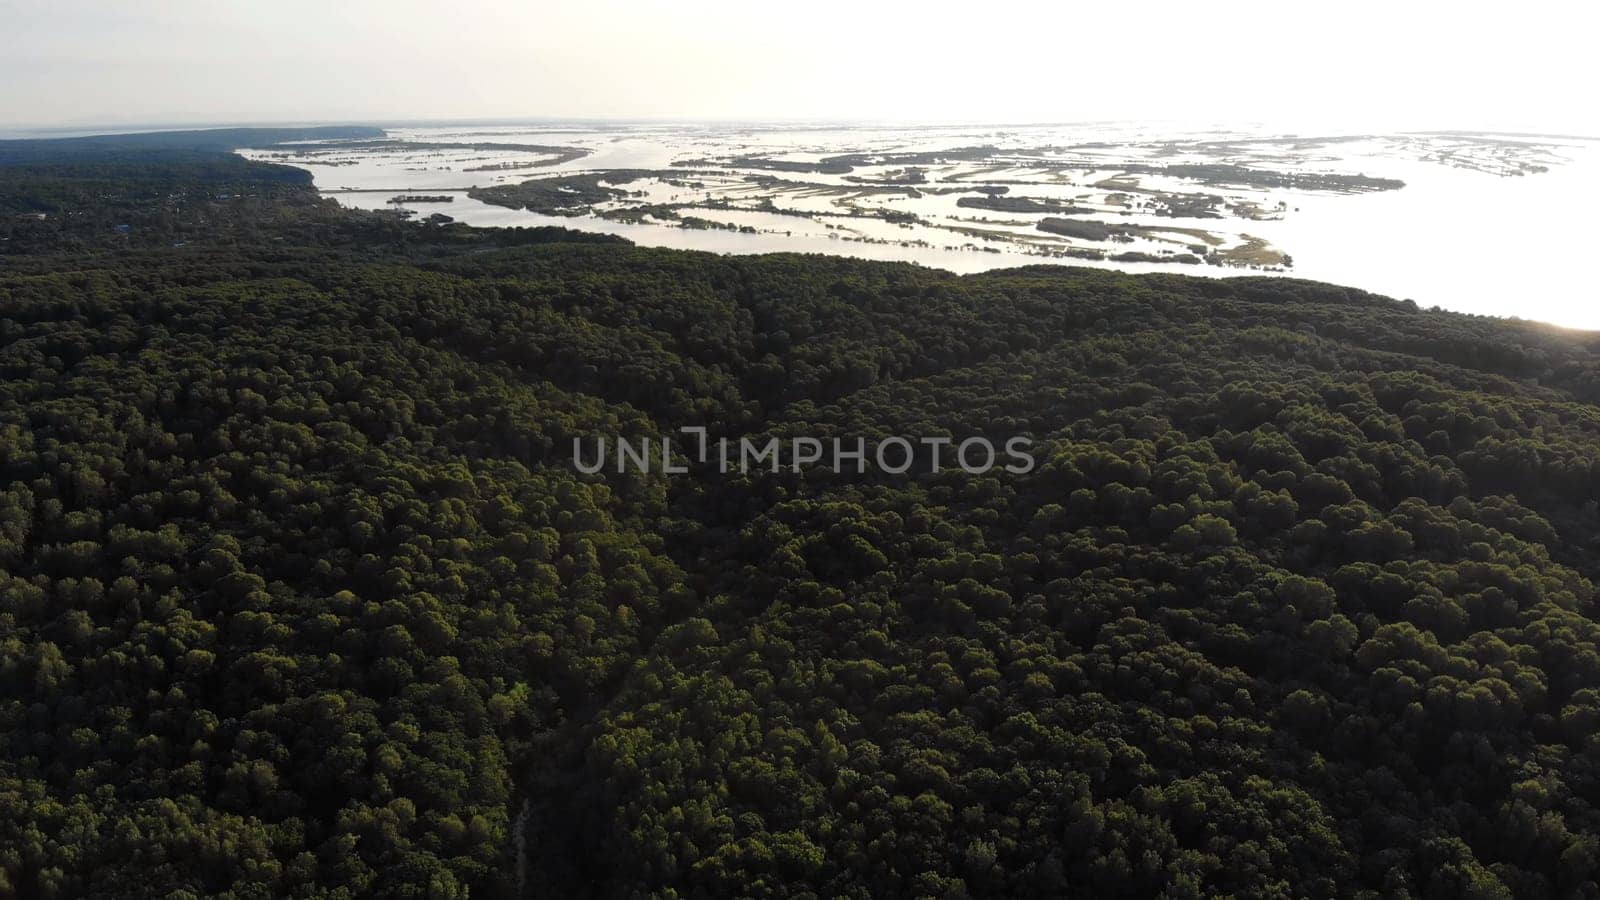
x: 920, y: 195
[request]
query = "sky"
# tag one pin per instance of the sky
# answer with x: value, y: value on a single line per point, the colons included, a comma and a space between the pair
x: 83, y: 64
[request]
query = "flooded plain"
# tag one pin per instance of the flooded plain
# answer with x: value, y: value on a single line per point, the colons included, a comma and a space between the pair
x: 1482, y: 223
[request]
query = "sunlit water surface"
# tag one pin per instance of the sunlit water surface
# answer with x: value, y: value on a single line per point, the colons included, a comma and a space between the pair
x: 1457, y: 238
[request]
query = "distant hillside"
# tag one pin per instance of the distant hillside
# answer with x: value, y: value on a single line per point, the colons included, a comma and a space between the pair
x: 212, y: 140
x: 123, y: 190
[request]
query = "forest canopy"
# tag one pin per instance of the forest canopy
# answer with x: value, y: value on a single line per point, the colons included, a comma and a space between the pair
x: 301, y: 595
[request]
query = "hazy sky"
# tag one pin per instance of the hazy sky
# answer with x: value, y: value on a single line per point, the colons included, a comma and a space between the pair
x: 1520, y: 66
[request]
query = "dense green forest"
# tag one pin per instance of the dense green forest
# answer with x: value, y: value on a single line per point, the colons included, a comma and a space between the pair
x: 302, y: 596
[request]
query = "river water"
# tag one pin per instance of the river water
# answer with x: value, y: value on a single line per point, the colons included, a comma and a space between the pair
x: 1462, y: 239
